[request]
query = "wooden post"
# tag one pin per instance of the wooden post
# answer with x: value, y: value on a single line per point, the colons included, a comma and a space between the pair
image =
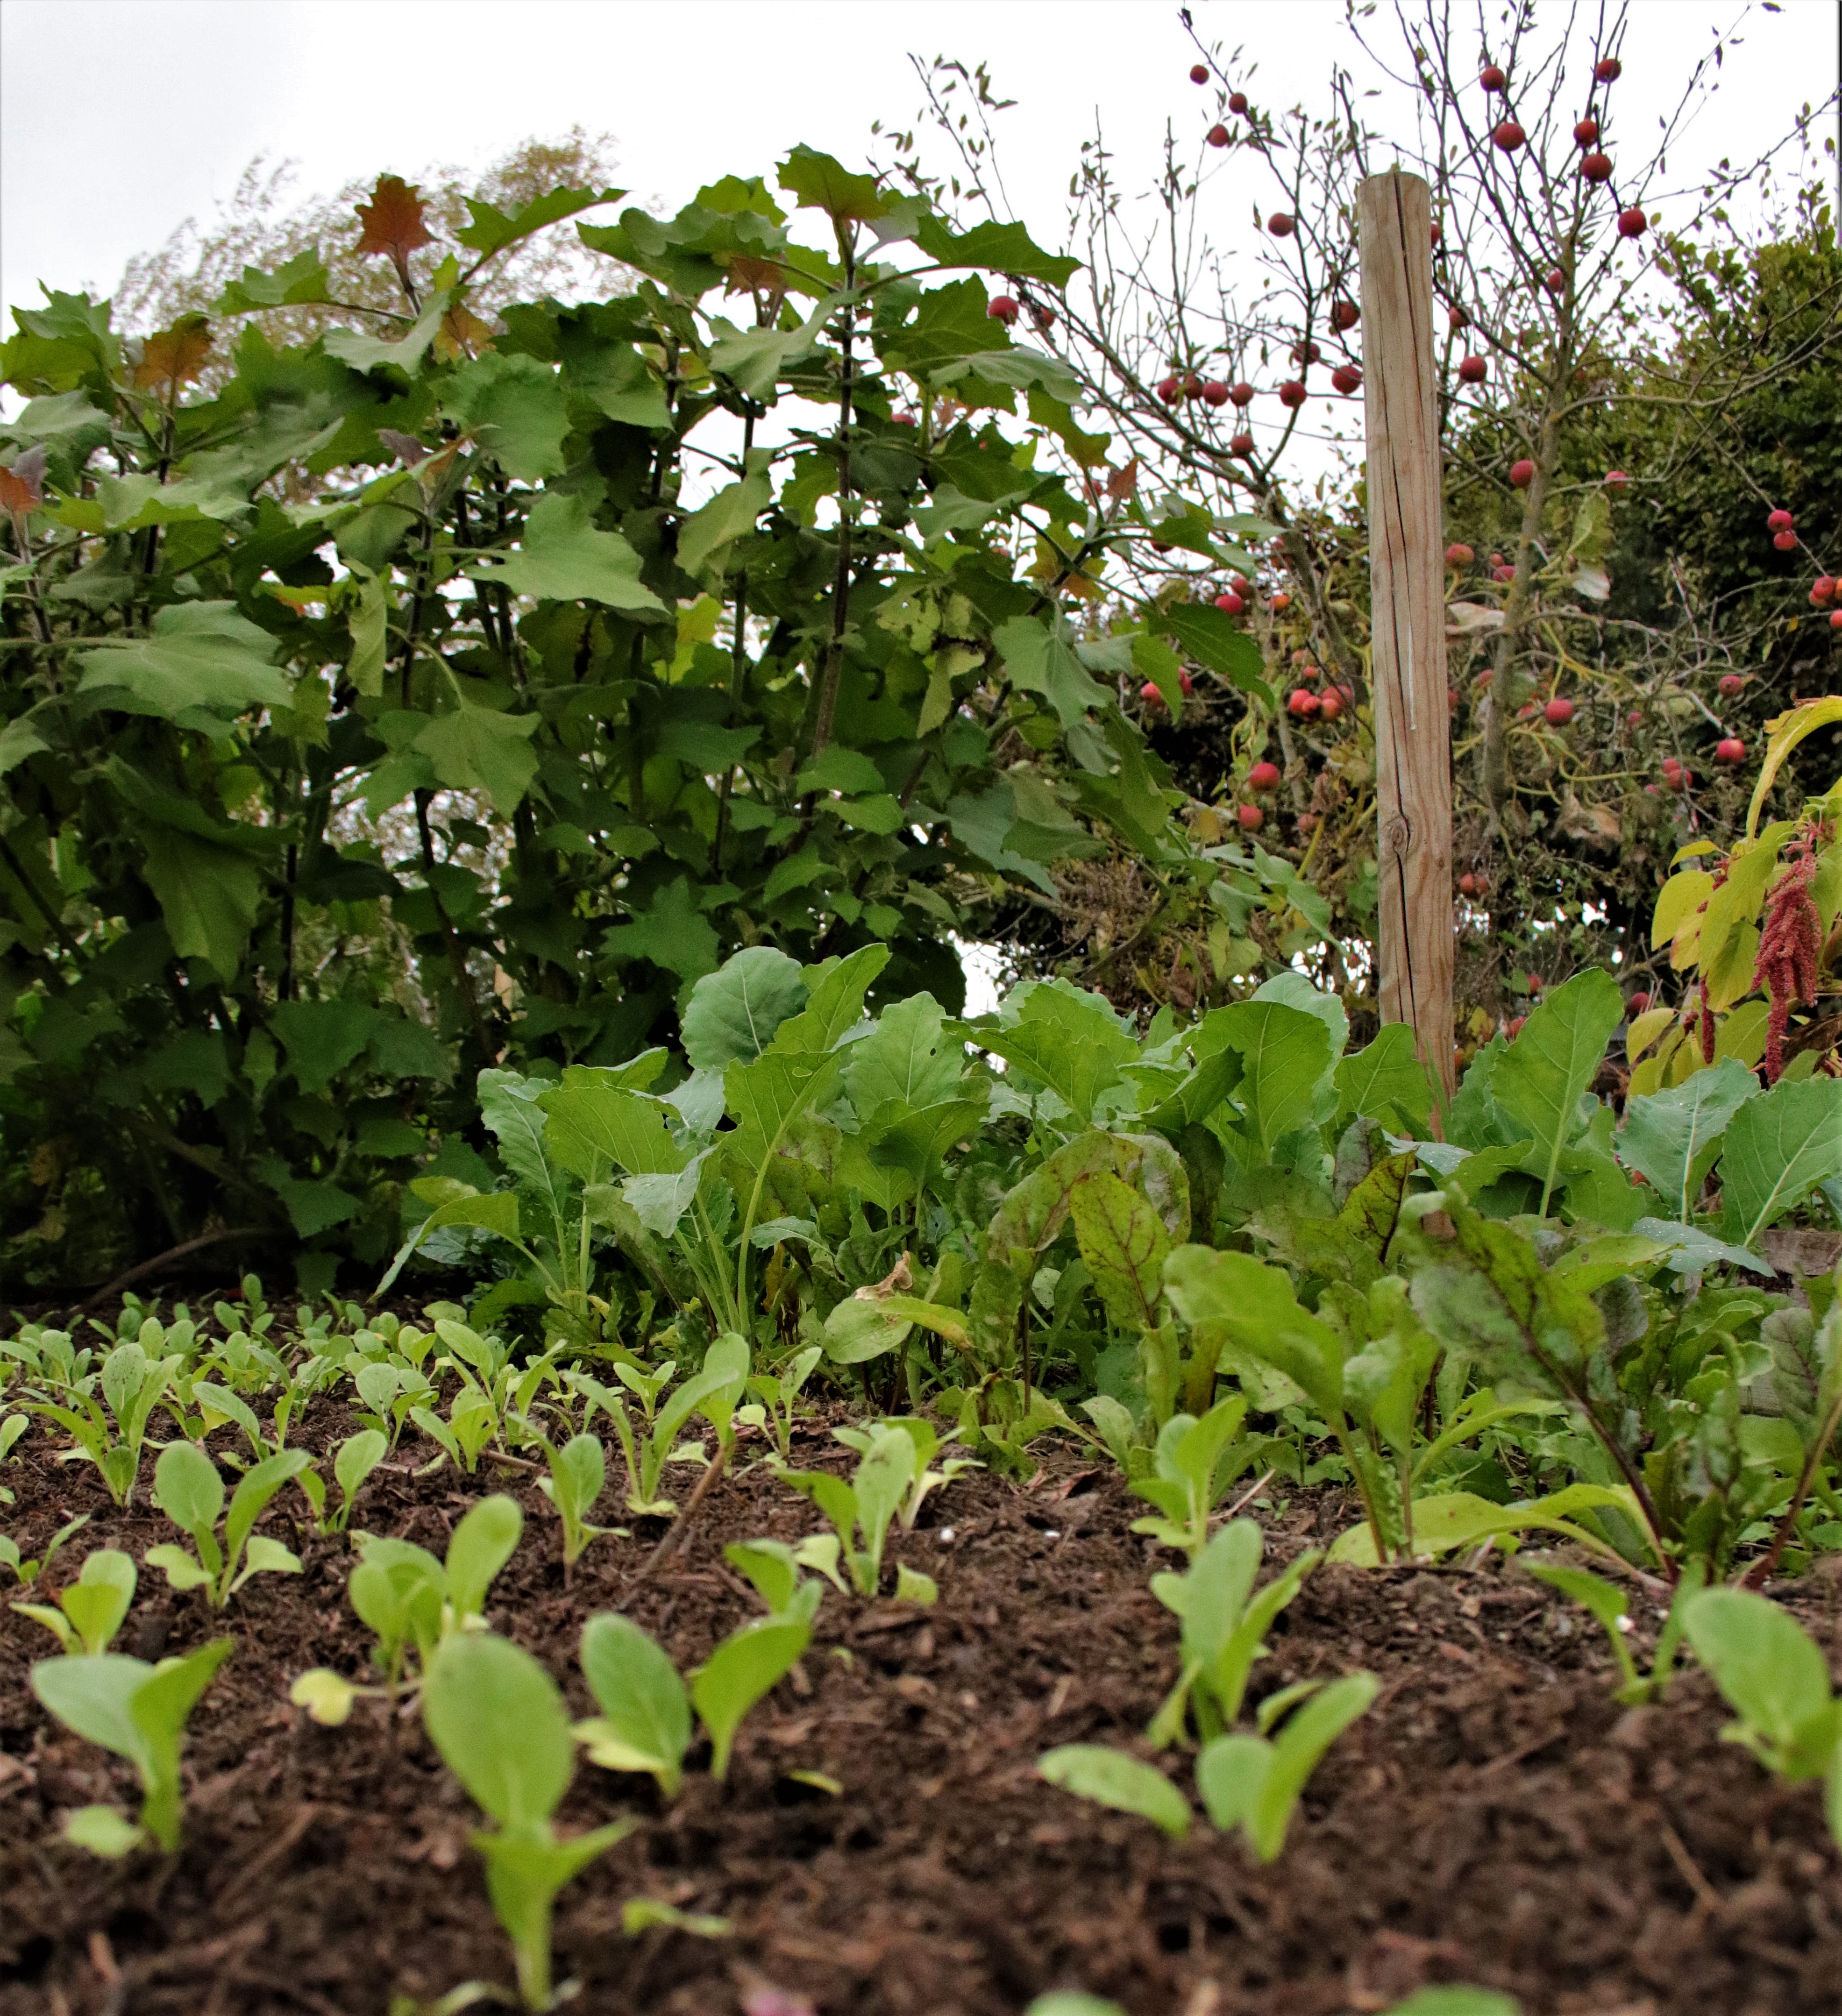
x: 1407, y: 575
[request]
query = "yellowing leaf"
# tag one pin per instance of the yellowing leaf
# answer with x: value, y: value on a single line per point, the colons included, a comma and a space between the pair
x: 1782, y: 736
x: 1681, y: 896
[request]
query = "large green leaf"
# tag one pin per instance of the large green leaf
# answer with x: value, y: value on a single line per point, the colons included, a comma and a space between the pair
x: 1041, y: 659
x: 1002, y: 248
x: 1070, y: 1041
x: 476, y: 748
x: 491, y: 230
x: 1212, y: 639
x: 1234, y: 1298
x: 1284, y: 1057
x: 1125, y: 1245
x: 1777, y: 1148
x: 673, y: 933
x: 1673, y: 1136
x: 707, y: 537
x: 1386, y: 1078
x: 906, y: 1057
x: 1540, y: 1079
x: 733, y: 1012
x: 565, y: 557
x: 207, y: 894
x: 514, y: 407
x: 322, y: 1038
x: 498, y: 1720
x: 201, y: 665
x: 592, y: 1128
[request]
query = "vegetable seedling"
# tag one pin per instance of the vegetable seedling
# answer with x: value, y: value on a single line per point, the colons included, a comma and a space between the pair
x: 773, y: 1569
x: 90, y: 1610
x: 1774, y: 1676
x: 132, y: 1387
x: 353, y: 1461
x: 1111, y: 1778
x: 1608, y: 1602
x: 883, y: 1478
x: 656, y: 1444
x: 140, y: 1712
x: 1224, y: 1627
x: 499, y: 1722
x: 1254, y: 1781
x: 29, y: 1570
x: 929, y: 1442
x: 1190, y: 1475
x: 578, y: 1475
x: 777, y: 1393
x: 749, y: 1663
x: 188, y: 1490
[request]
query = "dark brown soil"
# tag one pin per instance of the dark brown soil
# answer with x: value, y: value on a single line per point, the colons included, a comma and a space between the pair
x: 1496, y: 1819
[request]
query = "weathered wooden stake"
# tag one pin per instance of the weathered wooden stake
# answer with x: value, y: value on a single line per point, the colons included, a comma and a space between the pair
x: 1407, y: 573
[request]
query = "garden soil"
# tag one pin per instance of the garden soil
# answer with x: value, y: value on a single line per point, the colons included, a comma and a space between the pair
x: 1496, y: 1819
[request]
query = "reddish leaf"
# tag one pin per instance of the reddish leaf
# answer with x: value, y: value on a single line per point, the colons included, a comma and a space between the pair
x: 175, y: 357
x: 392, y: 221
x: 22, y: 487
x: 1122, y: 482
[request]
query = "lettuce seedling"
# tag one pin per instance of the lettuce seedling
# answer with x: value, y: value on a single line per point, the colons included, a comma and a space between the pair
x: 645, y: 1724
x: 749, y: 1663
x: 140, y: 1712
x: 929, y: 1442
x: 1607, y: 1602
x: 353, y: 1461
x: 778, y: 1391
x: 578, y: 1474
x: 1111, y: 1778
x: 132, y: 1387
x: 657, y: 1443
x: 1225, y: 1626
x: 90, y: 1610
x: 188, y: 1490
x: 867, y: 1504
x: 29, y: 1570
x: 406, y: 1597
x: 499, y: 1722
x: 1774, y: 1676
x: 1192, y: 1472
x: 1254, y: 1781
x: 773, y: 1569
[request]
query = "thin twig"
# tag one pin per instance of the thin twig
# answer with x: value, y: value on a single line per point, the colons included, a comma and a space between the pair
x: 677, y: 1531
x: 159, y: 1260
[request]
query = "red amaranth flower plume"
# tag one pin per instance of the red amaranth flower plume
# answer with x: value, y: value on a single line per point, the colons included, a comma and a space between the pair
x: 1786, y: 964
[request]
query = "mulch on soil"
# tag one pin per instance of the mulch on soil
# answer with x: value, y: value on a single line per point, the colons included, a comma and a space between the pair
x: 1496, y: 1818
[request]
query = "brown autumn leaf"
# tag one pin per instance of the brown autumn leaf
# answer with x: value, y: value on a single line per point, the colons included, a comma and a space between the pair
x: 461, y: 333
x: 173, y: 357
x: 748, y: 270
x: 1122, y: 482
x: 22, y: 487
x: 393, y: 221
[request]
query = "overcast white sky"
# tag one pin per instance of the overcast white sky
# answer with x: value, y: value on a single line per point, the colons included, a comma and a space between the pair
x: 119, y: 119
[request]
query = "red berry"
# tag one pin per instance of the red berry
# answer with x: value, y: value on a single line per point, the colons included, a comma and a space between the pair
x: 1330, y: 706
x: 1607, y: 69
x: 1505, y: 573
x: 1241, y: 392
x: 1731, y: 684
x: 1457, y: 318
x: 1002, y: 308
x: 1587, y: 132
x: 1687, y: 779
x: 1263, y: 777
x: 1251, y: 817
x: 906, y: 418
x: 1559, y: 711
x: 1672, y: 769
x: 1170, y: 390
x: 1638, y: 1002
x: 1187, y: 684
x: 1344, y: 314
x: 1232, y: 603
x: 1597, y: 167
x: 1632, y: 223
x: 1215, y: 392
x: 1237, y: 102
x: 1216, y: 136
x: 1242, y: 444
x: 1522, y: 474
x: 1438, y: 237
x: 1779, y: 521
x: 1192, y: 386
x: 1616, y: 478
x: 1346, y: 378
x: 1730, y: 749
x: 1044, y: 318
x: 1473, y: 370
x: 1555, y: 280
x: 1307, y: 353
x: 1459, y: 555
x: 1279, y: 602
x: 1835, y: 619
x: 1198, y: 73
x: 1513, y: 1028
x: 1279, y: 225
x: 1509, y: 136
x: 1243, y: 587
x: 1468, y: 884
x: 1534, y: 983
x: 1491, y: 77
x: 1496, y: 559
x: 1822, y: 590
x: 1635, y: 719
x: 1303, y: 702
x: 1485, y: 677
x: 1150, y: 695
x: 1291, y: 393
x: 1786, y: 542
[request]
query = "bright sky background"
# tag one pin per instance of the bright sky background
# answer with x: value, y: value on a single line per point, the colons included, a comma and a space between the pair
x: 119, y: 119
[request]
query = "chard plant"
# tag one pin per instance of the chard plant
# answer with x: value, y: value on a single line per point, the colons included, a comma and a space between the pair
x: 139, y: 1712
x: 499, y: 1723
x: 189, y: 1489
x: 411, y: 1602
x: 645, y: 1724
x: 1194, y: 1464
x: 90, y: 1610
x: 1774, y: 1676
x: 928, y: 1442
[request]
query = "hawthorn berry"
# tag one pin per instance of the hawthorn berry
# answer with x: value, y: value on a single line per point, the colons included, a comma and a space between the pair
x: 1237, y: 103
x: 1170, y: 391
x: 1597, y: 167
x: 1586, y: 132
x: 1344, y: 314
x: 1263, y: 777
x: 1307, y: 353
x: 1616, y: 478
x: 1302, y: 703
x: 1279, y: 602
x: 1607, y: 69
x: 1280, y: 225
x: 1467, y: 884
x: 1216, y: 136
x: 1242, y: 444
x: 1559, y: 711
x: 1215, y: 392
x: 1822, y: 591
x: 1002, y: 308
x: 1459, y: 555
x: 1779, y: 521
x: 1632, y: 223
x: 1243, y: 587
x: 1509, y: 136
x: 1241, y: 392
x: 1251, y: 817
x: 1513, y: 1028
x: 1148, y: 693
x: 1473, y: 370
x: 1522, y: 474
x: 1731, y: 685
x: 1786, y: 542
x: 1730, y: 749
x: 1491, y: 77
x: 1198, y: 73
x: 1555, y: 280
x: 1291, y: 393
x: 1457, y: 318
x: 1232, y: 603
x: 1346, y: 378
x: 1192, y: 386
x: 1638, y: 1002
x: 1835, y: 619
